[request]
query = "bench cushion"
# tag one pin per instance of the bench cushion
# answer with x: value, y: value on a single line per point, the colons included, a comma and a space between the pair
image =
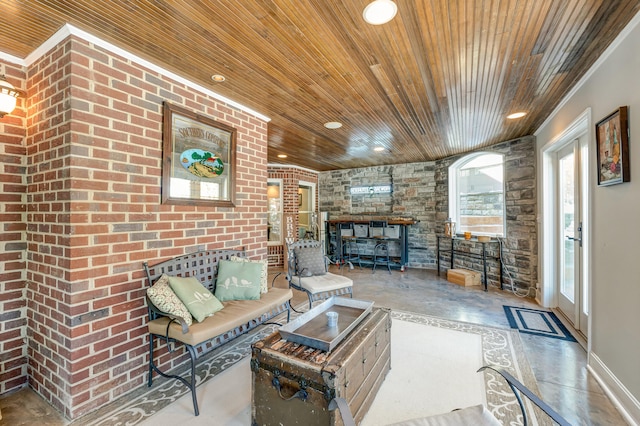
x: 234, y: 314
x: 326, y: 282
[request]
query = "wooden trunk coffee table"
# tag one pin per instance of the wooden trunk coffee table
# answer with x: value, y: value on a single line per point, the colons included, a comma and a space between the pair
x: 293, y: 383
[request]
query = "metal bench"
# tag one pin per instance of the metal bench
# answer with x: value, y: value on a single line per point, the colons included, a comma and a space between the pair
x: 236, y: 318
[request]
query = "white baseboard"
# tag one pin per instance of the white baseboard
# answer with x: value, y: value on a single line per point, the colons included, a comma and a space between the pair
x: 624, y: 401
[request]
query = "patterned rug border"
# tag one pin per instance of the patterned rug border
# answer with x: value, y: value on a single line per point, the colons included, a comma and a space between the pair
x: 564, y: 334
x: 137, y: 406
x: 501, y: 347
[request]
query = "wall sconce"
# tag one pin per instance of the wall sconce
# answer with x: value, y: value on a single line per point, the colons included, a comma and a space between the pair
x: 8, y: 96
x: 379, y: 12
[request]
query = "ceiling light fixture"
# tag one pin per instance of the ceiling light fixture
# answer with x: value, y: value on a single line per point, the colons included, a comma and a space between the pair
x: 378, y: 148
x: 218, y: 78
x: 379, y: 12
x: 8, y: 96
x: 333, y: 125
x: 282, y: 155
x: 516, y: 115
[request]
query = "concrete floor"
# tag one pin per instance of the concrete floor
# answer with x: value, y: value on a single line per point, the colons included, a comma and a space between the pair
x: 559, y: 366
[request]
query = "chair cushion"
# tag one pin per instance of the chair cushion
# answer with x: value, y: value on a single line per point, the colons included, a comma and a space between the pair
x: 238, y: 280
x: 163, y: 298
x: 200, y: 302
x: 310, y: 261
x: 326, y: 282
x: 476, y: 415
x: 264, y: 273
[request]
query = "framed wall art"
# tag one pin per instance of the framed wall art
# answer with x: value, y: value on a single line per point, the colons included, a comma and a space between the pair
x: 612, y: 140
x: 198, y: 159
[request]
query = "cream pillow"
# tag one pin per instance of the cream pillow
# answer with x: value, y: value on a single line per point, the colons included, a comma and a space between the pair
x: 166, y: 300
x: 264, y: 272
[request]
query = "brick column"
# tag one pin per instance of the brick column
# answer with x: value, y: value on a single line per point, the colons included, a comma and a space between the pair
x: 94, y: 151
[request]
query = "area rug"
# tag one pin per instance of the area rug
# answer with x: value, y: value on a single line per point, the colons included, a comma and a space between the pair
x: 433, y: 371
x: 168, y: 402
x: 537, y: 322
x: 454, y: 384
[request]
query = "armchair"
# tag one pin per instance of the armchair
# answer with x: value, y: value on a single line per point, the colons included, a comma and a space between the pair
x: 307, y: 271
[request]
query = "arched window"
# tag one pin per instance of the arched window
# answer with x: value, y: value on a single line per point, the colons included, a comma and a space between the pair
x: 476, y: 194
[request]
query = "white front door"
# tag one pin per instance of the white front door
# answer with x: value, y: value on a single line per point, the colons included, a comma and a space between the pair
x: 572, y: 186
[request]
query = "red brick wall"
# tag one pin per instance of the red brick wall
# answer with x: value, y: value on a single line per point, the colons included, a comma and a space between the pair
x: 94, y: 142
x: 291, y: 177
x: 13, y: 329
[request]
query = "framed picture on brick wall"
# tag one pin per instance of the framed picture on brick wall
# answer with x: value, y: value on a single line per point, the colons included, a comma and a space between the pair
x: 198, y: 159
x: 612, y: 140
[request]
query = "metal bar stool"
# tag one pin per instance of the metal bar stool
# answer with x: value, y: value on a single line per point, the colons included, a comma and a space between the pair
x: 349, y: 250
x: 381, y: 249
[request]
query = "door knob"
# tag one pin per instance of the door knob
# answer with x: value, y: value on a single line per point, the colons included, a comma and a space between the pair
x: 579, y: 239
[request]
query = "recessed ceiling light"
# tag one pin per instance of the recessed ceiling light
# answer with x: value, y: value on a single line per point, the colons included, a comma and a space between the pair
x: 282, y: 155
x: 379, y: 12
x: 379, y: 148
x: 218, y: 78
x: 333, y: 125
x: 516, y: 115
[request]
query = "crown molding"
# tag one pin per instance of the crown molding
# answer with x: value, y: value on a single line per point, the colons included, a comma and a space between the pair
x: 68, y: 30
x: 291, y: 166
x: 601, y: 60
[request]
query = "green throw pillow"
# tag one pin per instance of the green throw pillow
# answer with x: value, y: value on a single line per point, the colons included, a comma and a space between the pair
x: 200, y: 302
x: 238, y: 280
x: 264, y: 273
x: 161, y: 295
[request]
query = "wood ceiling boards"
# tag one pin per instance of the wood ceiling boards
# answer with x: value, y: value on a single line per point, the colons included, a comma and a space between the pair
x: 436, y: 81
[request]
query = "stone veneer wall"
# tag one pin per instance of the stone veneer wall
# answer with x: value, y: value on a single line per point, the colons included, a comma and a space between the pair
x: 93, y: 156
x: 421, y: 191
x: 413, y: 195
x: 291, y: 177
x: 13, y: 319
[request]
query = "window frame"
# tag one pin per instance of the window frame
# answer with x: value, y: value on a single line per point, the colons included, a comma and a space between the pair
x: 454, y: 193
x: 311, y: 188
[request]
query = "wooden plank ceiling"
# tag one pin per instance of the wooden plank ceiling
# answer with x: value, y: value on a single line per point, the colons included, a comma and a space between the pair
x: 437, y: 80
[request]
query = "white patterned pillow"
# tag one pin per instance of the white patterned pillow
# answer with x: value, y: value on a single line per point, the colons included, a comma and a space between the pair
x: 310, y: 261
x: 166, y: 300
x: 264, y: 272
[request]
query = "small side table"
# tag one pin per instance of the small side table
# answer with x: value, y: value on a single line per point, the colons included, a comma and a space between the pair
x: 457, y: 240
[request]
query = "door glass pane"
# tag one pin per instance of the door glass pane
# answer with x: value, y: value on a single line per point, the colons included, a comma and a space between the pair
x: 305, y: 213
x: 567, y: 226
x: 274, y: 212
